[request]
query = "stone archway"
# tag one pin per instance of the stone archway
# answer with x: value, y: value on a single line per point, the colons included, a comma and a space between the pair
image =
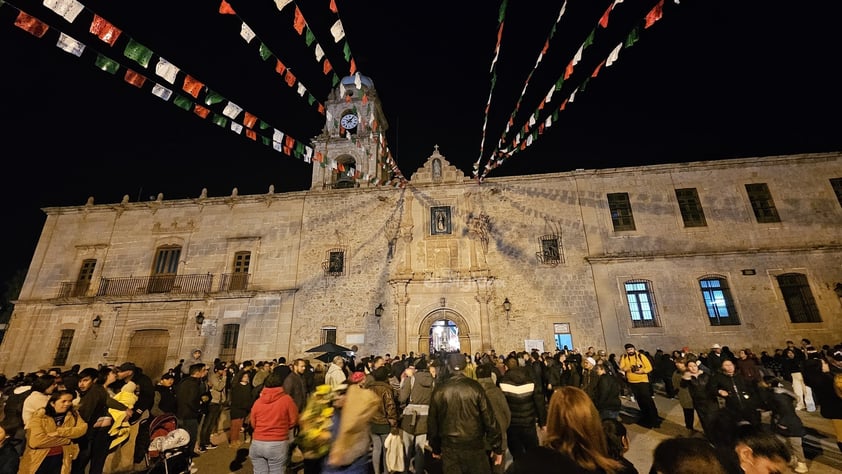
x: 463, y: 330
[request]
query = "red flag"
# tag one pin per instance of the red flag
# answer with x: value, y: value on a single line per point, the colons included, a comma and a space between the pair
x: 568, y: 70
x: 31, y: 24
x: 321, y: 109
x: 201, y: 111
x: 104, y: 30
x: 279, y: 67
x: 318, y: 157
x: 326, y: 68
x: 225, y: 8
x: 340, y: 167
x: 251, y: 134
x: 333, y: 6
x: 299, y: 22
x: 655, y: 14
x: 134, y: 78
x: 289, y: 142
x: 290, y: 78
x: 603, y: 22
x: 249, y: 120
x: 596, y: 71
x: 192, y: 86
x: 353, y: 67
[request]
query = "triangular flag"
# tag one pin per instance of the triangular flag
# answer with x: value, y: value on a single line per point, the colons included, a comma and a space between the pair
x: 279, y: 66
x: 309, y: 37
x: 298, y: 22
x: 225, y: 8
x: 319, y: 52
x: 289, y: 78
x: 282, y: 3
x: 247, y: 33
x: 326, y: 68
x: 333, y: 7
x: 603, y: 22
x: 265, y: 52
x: 655, y: 14
x: 337, y: 31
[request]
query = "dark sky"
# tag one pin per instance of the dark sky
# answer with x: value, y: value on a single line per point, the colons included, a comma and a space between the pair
x: 712, y: 79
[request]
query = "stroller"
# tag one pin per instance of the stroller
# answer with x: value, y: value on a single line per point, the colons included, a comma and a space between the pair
x: 168, y: 450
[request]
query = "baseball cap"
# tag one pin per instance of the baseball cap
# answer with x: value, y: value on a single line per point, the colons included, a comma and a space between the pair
x: 456, y: 361
x: 126, y: 366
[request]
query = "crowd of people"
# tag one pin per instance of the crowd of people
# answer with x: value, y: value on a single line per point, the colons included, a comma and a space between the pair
x: 450, y: 412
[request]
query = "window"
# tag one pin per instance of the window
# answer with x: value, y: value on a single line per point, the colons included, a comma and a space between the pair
x: 762, y: 203
x: 641, y: 303
x: 165, y: 269
x: 799, y: 300
x: 836, y: 184
x: 718, y: 301
x: 230, y: 335
x: 621, y: 212
x: 328, y: 334
x: 63, y: 347
x: 83, y: 281
x: 690, y: 207
x: 549, y: 253
x: 239, y: 280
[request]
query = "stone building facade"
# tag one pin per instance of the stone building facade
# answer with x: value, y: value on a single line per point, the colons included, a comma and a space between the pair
x: 743, y: 252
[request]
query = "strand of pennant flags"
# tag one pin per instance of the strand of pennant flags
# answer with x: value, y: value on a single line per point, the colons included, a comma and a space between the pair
x: 500, y: 22
x: 506, y: 149
x: 213, y: 106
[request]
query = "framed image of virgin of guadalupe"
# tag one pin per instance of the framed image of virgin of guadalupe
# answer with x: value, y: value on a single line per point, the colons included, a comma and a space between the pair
x: 440, y: 220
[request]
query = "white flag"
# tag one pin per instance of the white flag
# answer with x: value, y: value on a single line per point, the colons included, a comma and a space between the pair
x: 68, y: 9
x: 337, y: 31
x: 166, y: 70
x: 247, y: 33
x: 70, y: 45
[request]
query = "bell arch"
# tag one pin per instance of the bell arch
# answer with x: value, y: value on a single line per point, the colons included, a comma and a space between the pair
x: 463, y: 330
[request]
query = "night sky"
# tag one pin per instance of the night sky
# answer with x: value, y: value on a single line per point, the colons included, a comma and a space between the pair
x: 711, y: 79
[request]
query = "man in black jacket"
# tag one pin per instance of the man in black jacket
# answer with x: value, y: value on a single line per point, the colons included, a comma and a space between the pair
x: 461, y: 420
x: 189, y: 404
x: 527, y: 407
x: 93, y: 408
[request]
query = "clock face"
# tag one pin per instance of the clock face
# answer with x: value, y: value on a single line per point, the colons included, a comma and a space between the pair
x: 349, y: 122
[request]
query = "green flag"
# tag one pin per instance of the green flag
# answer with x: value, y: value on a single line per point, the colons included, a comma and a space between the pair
x: 138, y: 52
x: 183, y: 102
x: 107, y: 64
x: 265, y: 53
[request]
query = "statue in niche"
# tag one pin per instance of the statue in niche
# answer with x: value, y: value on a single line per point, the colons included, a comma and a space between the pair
x: 440, y: 220
x: 436, y: 169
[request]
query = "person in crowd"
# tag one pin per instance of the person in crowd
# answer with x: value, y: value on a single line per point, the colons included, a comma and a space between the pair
x: 715, y: 358
x: 241, y: 403
x: 218, y: 389
x: 318, y: 375
x: 42, y: 388
x: 574, y: 442
x: 617, y: 439
x: 791, y: 366
x: 50, y: 434
x: 385, y: 418
x: 571, y: 375
x: 13, y: 412
x: 335, y: 374
x: 132, y: 452
x: 416, y: 389
x: 460, y: 422
x: 527, y: 408
x: 500, y: 407
x: 164, y: 401
x: 704, y: 403
x: 195, y: 357
x: 262, y: 370
x: 295, y: 385
x: 607, y: 394
x: 94, y: 405
x: 754, y: 451
x: 272, y: 417
x: 827, y: 387
x: 188, y: 396
x: 685, y: 400
x: 637, y: 368
x: 350, y: 423
x: 741, y: 398
x: 686, y: 456
x: 785, y: 422
x: 119, y: 431
x: 748, y: 366
x: 9, y: 457
x: 589, y: 376
x: 663, y: 367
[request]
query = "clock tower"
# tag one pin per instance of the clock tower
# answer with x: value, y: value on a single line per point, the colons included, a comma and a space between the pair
x: 353, y: 139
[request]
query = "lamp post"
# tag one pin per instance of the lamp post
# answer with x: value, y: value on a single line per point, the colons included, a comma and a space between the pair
x: 200, y: 319
x: 95, y: 324
x: 507, y: 305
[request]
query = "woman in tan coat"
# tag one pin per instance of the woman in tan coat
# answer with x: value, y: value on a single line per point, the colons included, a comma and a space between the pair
x: 49, y: 434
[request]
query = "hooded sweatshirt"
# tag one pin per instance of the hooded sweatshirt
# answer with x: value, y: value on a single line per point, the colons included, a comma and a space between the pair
x: 273, y: 415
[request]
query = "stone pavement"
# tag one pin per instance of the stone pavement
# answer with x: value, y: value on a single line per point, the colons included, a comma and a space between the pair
x: 819, y: 444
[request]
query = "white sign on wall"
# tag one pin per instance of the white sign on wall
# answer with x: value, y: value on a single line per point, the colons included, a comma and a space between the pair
x: 530, y: 344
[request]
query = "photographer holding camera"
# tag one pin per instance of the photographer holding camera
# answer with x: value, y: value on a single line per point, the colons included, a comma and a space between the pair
x: 637, y: 367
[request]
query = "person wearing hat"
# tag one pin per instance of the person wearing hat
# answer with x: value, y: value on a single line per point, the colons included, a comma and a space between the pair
x: 589, y: 376
x: 415, y: 391
x: 637, y: 367
x: 715, y: 358
x: 460, y: 422
x: 132, y: 452
x: 195, y: 357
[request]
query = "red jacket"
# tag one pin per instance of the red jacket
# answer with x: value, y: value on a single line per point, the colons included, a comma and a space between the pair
x: 273, y: 415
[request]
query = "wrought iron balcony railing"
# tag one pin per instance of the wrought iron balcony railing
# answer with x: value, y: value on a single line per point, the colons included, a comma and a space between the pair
x: 172, y: 284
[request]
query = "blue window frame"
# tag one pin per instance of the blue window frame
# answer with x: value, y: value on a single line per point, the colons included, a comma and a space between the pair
x: 718, y: 301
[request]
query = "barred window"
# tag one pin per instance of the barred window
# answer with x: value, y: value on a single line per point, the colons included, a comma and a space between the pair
x: 762, y: 203
x: 690, y: 207
x: 63, y: 349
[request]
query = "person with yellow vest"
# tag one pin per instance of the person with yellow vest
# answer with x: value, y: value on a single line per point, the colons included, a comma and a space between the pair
x: 637, y: 367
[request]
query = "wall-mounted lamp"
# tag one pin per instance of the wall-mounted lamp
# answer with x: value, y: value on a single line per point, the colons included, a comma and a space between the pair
x: 200, y: 319
x: 838, y: 289
x: 442, y: 301
x: 378, y: 311
x: 95, y: 324
x: 507, y: 305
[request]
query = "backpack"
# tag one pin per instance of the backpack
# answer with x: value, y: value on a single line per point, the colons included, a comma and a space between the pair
x: 13, y: 411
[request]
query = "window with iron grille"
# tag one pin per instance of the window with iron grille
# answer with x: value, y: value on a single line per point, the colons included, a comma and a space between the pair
x: 328, y: 334
x: 718, y: 301
x: 690, y: 207
x: 836, y: 184
x: 86, y: 274
x: 230, y: 336
x: 641, y: 303
x: 762, y: 203
x: 798, y: 298
x: 621, y: 211
x: 63, y: 347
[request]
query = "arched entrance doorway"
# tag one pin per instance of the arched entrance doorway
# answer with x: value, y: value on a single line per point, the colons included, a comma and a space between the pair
x: 444, y: 330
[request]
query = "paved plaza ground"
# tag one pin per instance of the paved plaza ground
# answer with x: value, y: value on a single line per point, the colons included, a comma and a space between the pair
x: 819, y: 444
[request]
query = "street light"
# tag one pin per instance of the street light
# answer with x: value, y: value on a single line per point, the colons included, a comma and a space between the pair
x: 95, y: 324
x: 200, y: 319
x: 378, y: 311
x: 507, y: 305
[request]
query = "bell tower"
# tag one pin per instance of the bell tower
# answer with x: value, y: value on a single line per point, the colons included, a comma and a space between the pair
x: 353, y: 139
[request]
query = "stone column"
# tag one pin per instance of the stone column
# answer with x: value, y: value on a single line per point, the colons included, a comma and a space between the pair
x: 483, y: 297
x: 401, y: 299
